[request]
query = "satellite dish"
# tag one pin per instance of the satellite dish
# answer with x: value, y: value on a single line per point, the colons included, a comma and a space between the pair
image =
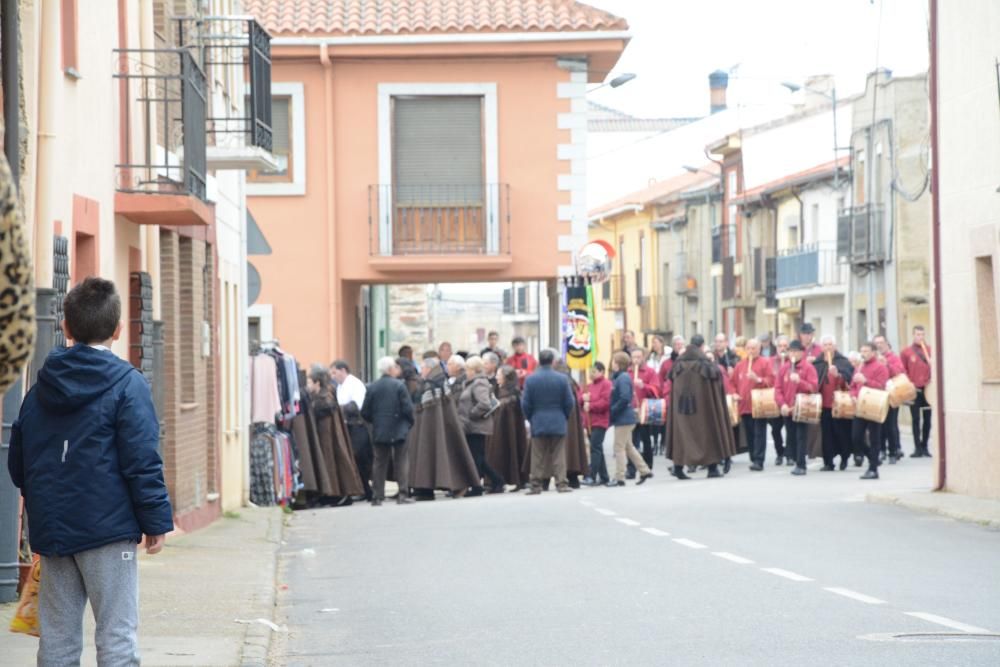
x: 253, y: 284
x: 594, y: 261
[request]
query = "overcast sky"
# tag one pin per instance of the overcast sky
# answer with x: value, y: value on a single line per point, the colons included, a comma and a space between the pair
x: 676, y: 43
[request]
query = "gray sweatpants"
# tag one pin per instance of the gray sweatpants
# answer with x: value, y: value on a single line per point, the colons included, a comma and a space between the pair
x: 109, y: 577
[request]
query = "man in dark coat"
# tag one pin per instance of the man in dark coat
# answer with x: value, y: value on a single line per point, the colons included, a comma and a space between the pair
x: 389, y: 410
x: 833, y: 372
x: 548, y: 403
x: 698, y: 427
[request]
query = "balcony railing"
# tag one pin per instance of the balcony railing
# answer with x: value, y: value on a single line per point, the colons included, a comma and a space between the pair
x: 860, y: 239
x: 613, y: 293
x: 439, y: 219
x: 723, y: 242
x: 810, y: 265
x: 243, y: 47
x: 771, y: 282
x: 165, y: 90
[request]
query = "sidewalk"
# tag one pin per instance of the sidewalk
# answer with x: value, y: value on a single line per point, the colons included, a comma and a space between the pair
x: 191, y: 595
x: 961, y: 508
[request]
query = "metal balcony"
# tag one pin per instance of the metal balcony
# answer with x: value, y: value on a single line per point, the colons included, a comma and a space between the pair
x: 613, y: 293
x: 861, y: 236
x: 809, y: 266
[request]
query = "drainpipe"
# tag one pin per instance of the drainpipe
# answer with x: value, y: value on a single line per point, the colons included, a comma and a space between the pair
x: 802, y: 233
x: 333, y: 266
x: 942, y: 458
x: 151, y: 240
x: 49, y: 103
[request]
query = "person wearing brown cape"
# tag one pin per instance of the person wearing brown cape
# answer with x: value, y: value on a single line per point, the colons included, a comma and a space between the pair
x: 577, y: 461
x: 698, y: 427
x: 507, y: 448
x: 315, y: 468
x: 335, y: 443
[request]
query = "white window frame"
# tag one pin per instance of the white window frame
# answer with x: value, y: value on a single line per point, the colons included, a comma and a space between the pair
x: 295, y: 91
x: 486, y: 90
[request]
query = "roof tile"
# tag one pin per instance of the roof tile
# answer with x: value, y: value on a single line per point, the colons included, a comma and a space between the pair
x: 415, y: 17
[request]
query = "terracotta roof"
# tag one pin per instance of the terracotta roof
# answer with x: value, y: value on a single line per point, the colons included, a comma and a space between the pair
x: 657, y: 191
x: 416, y: 17
x: 817, y: 173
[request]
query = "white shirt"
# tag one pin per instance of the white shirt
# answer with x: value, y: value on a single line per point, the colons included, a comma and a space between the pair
x: 351, y: 391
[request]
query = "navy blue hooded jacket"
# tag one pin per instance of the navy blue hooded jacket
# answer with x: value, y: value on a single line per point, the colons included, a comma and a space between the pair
x: 547, y: 402
x: 622, y: 412
x: 84, y: 454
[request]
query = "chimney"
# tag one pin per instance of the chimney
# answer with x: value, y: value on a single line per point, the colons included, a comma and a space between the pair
x: 718, y: 81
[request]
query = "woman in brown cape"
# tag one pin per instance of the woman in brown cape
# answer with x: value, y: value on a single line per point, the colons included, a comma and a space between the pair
x: 315, y: 468
x: 698, y: 427
x: 508, y: 446
x: 439, y: 454
x: 334, y: 441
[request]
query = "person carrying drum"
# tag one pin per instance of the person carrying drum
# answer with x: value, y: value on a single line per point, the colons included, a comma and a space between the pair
x: 754, y: 372
x: 873, y: 374
x: 833, y: 371
x: 798, y: 376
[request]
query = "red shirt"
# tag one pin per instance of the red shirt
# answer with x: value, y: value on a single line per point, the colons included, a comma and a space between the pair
x: 894, y: 364
x: 830, y: 385
x: 727, y: 383
x: 600, y: 403
x: 524, y: 364
x: 763, y: 369
x: 815, y: 351
x: 917, y: 363
x: 651, y: 384
x: 876, y: 375
x: 785, y: 390
x: 665, y: 371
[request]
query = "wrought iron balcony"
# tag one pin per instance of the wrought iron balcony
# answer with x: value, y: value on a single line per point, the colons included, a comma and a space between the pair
x: 165, y: 91
x: 860, y: 235
x: 808, y: 266
x: 233, y: 50
x: 439, y: 220
x: 613, y: 293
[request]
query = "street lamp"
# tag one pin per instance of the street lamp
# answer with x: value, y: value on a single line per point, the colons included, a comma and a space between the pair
x: 616, y: 82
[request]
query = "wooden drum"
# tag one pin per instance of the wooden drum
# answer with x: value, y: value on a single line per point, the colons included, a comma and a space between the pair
x: 733, y: 403
x: 808, y: 408
x: 873, y: 405
x: 763, y: 404
x: 653, y: 412
x: 901, y: 391
x: 843, y: 405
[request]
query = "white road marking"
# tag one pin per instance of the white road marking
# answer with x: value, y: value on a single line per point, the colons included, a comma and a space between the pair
x: 605, y: 512
x: 785, y: 573
x: 627, y: 522
x: 691, y: 544
x: 587, y: 503
x: 656, y: 531
x: 854, y: 595
x: 732, y: 557
x: 947, y: 622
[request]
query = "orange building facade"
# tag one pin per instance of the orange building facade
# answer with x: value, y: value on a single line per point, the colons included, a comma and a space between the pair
x: 420, y: 149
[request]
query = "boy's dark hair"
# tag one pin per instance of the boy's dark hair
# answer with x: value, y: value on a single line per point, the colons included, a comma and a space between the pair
x: 599, y: 366
x: 404, y: 350
x: 92, y: 311
x: 341, y: 365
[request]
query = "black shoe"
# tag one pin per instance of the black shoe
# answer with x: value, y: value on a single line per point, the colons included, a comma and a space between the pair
x: 643, y: 478
x: 778, y: 461
x: 727, y: 466
x: 713, y: 471
x: 827, y: 468
x: 789, y: 461
x: 843, y: 464
x: 344, y: 501
x: 615, y: 483
x: 799, y: 471
x: 405, y: 500
x: 499, y: 488
x: 678, y: 472
x: 858, y: 460
x: 756, y: 467
x: 376, y: 502
x: 692, y: 469
x: 478, y: 491
x: 893, y: 459
x: 871, y: 474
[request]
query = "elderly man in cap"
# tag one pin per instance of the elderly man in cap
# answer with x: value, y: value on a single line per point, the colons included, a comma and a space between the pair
x: 807, y: 336
x: 798, y: 376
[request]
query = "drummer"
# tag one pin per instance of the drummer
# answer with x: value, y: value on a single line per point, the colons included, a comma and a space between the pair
x: 798, y: 376
x: 754, y: 372
x: 807, y: 336
x: 779, y: 359
x: 834, y: 371
x: 873, y: 374
x: 890, y: 429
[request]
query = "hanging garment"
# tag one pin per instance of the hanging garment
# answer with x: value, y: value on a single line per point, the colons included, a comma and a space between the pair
x: 265, y: 402
x: 262, y: 466
x: 439, y: 455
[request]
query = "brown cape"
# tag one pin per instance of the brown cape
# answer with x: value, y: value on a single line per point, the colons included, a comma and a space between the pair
x: 439, y: 455
x: 507, y: 448
x: 316, y: 470
x: 698, y: 428
x: 335, y: 443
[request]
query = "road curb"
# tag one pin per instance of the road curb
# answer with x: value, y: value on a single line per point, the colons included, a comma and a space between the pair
x: 257, y: 639
x: 927, y: 504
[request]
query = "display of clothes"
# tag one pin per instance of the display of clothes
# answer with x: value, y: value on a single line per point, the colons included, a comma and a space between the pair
x: 274, y: 476
x: 275, y: 403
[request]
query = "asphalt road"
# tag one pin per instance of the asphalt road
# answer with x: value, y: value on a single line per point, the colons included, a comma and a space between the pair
x: 753, y: 569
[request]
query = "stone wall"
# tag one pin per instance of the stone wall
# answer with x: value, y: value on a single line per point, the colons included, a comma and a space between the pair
x: 409, y: 315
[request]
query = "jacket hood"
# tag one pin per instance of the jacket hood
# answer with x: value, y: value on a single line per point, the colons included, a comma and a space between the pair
x: 76, y: 376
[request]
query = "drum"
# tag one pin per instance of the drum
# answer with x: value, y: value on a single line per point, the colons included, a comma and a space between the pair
x: 763, y: 404
x: 843, y: 405
x: 901, y: 391
x: 653, y: 412
x: 873, y: 405
x: 808, y: 408
x: 733, y: 403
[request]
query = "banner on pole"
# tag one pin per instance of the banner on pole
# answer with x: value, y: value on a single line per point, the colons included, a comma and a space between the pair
x: 578, y: 327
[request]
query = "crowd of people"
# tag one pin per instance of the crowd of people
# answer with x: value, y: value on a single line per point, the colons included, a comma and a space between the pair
x: 470, y: 424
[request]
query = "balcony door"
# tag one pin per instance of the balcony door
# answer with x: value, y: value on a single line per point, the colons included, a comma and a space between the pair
x: 439, y: 193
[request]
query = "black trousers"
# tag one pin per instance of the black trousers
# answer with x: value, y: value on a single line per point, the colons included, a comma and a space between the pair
x: 598, y: 465
x: 836, y: 437
x: 363, y: 455
x: 890, y: 433
x: 756, y: 431
x: 779, y: 443
x: 859, y: 429
x: 642, y: 440
x: 796, y: 441
x: 920, y: 414
x: 477, y: 446
x: 397, y: 451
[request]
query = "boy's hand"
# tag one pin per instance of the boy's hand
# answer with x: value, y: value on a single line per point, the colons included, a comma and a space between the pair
x: 154, y: 543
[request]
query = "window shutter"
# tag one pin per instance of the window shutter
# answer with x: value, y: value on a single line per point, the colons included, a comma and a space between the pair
x: 844, y: 234
x: 438, y: 149
x: 280, y: 126
x: 606, y: 290
x: 522, y: 299
x: 508, y: 306
x: 758, y: 269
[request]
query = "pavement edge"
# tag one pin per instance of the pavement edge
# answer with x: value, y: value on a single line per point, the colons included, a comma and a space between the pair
x: 257, y: 639
x: 927, y: 505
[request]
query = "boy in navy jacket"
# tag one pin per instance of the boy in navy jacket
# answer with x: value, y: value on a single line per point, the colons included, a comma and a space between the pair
x: 84, y: 452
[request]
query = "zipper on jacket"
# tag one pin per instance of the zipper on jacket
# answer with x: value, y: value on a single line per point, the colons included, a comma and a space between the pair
x: 65, y: 450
